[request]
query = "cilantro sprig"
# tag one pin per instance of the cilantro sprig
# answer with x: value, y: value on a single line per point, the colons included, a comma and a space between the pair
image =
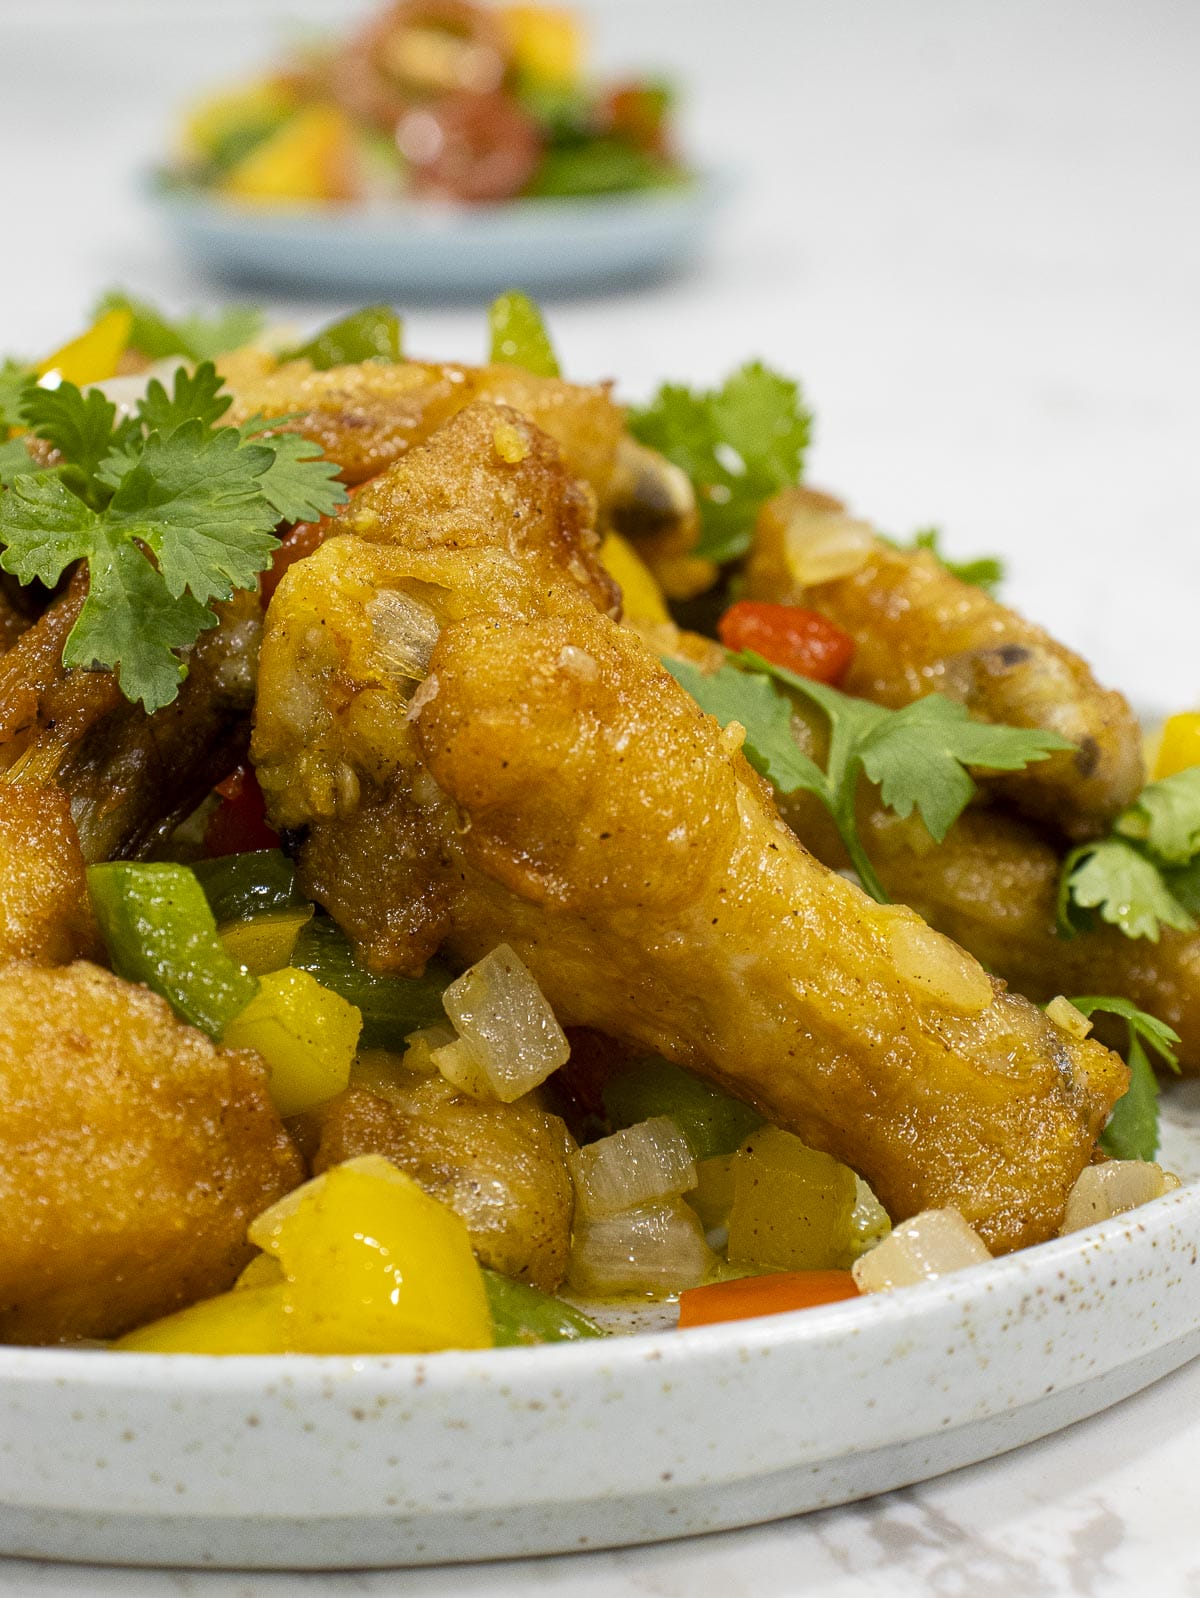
x: 1132, y: 1130
x: 1146, y: 874
x: 984, y: 571
x: 918, y: 756
x: 195, y: 337
x: 739, y: 444
x: 169, y: 510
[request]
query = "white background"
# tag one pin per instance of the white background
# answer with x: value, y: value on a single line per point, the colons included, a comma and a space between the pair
x: 972, y: 230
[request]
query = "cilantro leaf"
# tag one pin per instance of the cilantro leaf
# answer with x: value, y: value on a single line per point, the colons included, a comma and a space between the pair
x: 194, y: 499
x: 1132, y: 1130
x: 169, y: 510
x: 15, y: 379
x: 739, y: 444
x: 918, y: 756
x: 131, y: 623
x: 1128, y: 890
x: 209, y: 336
x: 15, y: 461
x: 754, y: 701
x: 80, y: 426
x: 1146, y: 874
x: 1166, y: 817
x: 195, y: 396
x: 196, y: 337
x: 985, y: 571
x: 300, y: 484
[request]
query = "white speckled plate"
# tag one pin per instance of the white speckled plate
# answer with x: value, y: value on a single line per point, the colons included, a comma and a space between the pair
x: 426, y: 249
x: 355, y: 1462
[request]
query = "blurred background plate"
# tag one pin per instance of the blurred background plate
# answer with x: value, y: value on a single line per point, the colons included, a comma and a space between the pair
x: 444, y: 251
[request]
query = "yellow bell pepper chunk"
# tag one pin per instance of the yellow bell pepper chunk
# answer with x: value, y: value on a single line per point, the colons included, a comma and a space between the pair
x: 641, y: 596
x: 306, y: 1033
x: 374, y: 1265
x: 546, y: 43
x: 359, y: 1261
x: 254, y: 1320
x: 93, y: 356
x: 214, y: 119
x: 1179, y: 745
x: 311, y: 157
x: 266, y: 943
x: 792, y: 1206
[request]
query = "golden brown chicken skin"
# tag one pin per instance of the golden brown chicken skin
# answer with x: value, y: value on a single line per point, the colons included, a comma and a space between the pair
x: 502, y: 1167
x: 993, y: 886
x: 367, y: 416
x: 131, y: 777
x: 552, y: 786
x: 918, y: 629
x: 133, y: 1153
x: 45, y: 912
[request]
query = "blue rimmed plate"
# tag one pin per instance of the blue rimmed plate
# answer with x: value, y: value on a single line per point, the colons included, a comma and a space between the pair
x: 442, y: 250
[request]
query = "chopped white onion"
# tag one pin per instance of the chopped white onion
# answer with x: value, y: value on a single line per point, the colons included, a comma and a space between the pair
x: 424, y: 1043
x: 513, y: 1041
x: 933, y: 1243
x: 461, y: 1067
x: 405, y: 633
x: 869, y: 1221
x: 1113, y: 1187
x: 934, y: 967
x: 820, y: 548
x: 1072, y: 1021
x: 649, y: 1161
x: 656, y: 1249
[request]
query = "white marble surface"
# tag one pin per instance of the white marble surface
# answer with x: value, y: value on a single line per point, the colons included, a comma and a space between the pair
x: 973, y: 230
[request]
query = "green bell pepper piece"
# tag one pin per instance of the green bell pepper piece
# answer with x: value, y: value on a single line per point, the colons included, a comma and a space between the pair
x: 373, y: 334
x: 519, y: 336
x: 391, y: 1007
x: 523, y: 1315
x: 160, y: 930
x: 712, y: 1122
x: 239, y: 887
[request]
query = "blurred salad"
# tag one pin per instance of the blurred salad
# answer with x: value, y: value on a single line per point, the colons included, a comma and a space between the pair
x: 439, y: 99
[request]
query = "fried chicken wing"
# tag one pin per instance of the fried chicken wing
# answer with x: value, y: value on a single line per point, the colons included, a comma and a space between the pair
x: 550, y: 785
x: 993, y: 885
x: 919, y: 629
x: 133, y: 1153
x: 502, y: 1167
x: 45, y: 912
x: 131, y: 777
x: 365, y: 417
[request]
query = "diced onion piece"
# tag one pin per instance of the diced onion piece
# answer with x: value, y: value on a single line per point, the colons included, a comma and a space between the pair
x: 644, y: 1163
x: 459, y: 1064
x: 933, y: 1243
x: 1113, y: 1187
x: 405, y: 632
x: 819, y: 549
x: 510, y: 1030
x: 869, y: 1221
x: 933, y: 966
x: 423, y: 1044
x: 1072, y: 1021
x: 655, y: 1249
